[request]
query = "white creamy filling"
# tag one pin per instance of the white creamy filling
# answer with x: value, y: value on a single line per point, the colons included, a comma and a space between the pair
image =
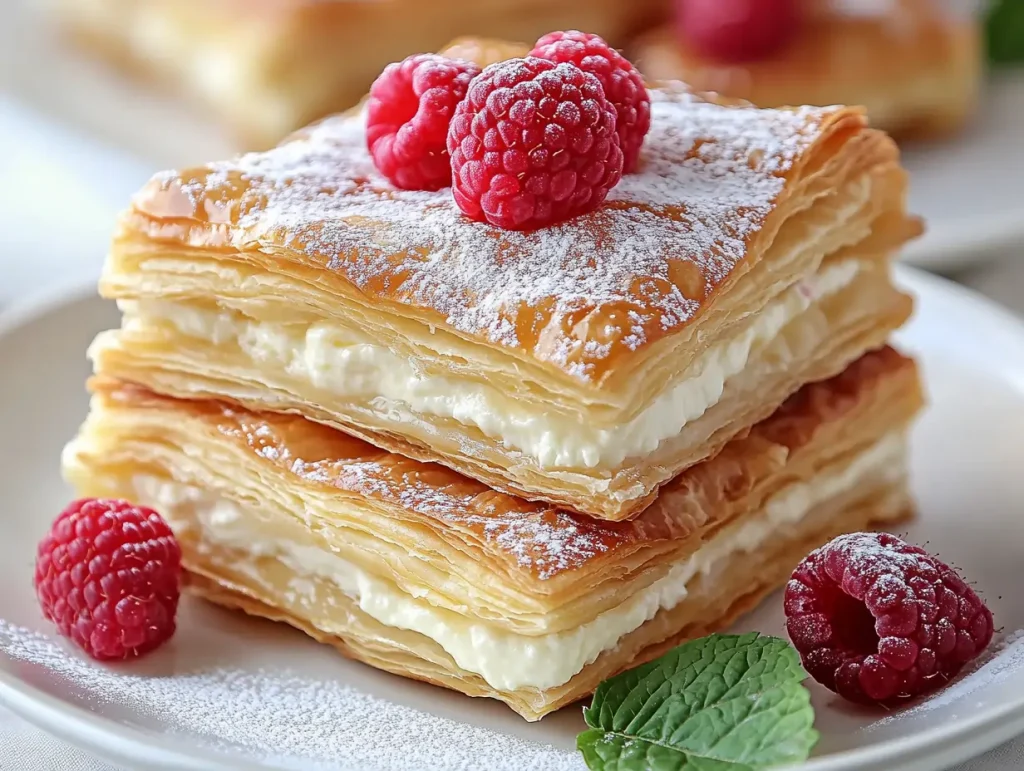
x: 504, y: 659
x: 351, y: 366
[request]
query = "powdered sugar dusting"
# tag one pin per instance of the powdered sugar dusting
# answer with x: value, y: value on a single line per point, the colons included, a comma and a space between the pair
x: 542, y: 539
x: 534, y: 536
x: 637, y: 269
x: 289, y: 721
x: 1003, y: 660
x: 864, y: 551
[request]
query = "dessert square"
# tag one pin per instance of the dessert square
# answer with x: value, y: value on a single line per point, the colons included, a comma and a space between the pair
x: 915, y: 65
x: 414, y: 569
x: 583, y: 364
x: 269, y: 67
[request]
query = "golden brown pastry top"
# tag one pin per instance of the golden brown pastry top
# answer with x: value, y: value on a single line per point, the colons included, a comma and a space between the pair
x: 535, y: 537
x: 582, y: 296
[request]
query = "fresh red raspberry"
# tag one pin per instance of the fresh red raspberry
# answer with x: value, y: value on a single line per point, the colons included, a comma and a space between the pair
x: 533, y: 143
x: 622, y: 83
x: 107, y: 575
x: 410, y: 107
x: 738, y: 30
x: 878, y: 620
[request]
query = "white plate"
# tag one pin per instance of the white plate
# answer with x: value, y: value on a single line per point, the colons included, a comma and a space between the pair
x: 968, y: 188
x: 230, y: 691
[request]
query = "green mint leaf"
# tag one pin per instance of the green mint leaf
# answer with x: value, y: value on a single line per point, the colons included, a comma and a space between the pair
x: 1005, y: 30
x: 721, y: 703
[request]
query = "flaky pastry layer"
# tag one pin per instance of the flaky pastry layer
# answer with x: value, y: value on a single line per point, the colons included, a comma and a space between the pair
x: 580, y: 307
x: 915, y: 67
x: 603, y: 337
x: 270, y: 67
x: 406, y: 561
x: 713, y: 603
x: 342, y: 377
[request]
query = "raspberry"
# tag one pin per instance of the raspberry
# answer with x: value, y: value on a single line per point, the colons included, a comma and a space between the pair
x: 622, y: 83
x: 107, y: 575
x: 738, y: 30
x: 410, y: 106
x: 878, y: 620
x: 533, y: 143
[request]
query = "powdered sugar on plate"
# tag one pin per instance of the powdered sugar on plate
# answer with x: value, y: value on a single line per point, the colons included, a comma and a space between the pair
x: 1004, y: 659
x: 288, y: 721
x: 630, y: 273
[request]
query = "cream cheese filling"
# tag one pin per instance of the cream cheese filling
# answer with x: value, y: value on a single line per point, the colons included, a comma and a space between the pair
x: 349, y: 365
x: 507, y: 660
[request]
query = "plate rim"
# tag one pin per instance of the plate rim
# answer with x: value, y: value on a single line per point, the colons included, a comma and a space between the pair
x: 104, y: 738
x: 37, y: 304
x: 116, y: 741
x: 953, y: 245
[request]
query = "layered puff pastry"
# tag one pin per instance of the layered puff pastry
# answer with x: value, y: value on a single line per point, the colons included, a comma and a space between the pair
x: 915, y: 65
x: 583, y: 364
x: 269, y: 67
x: 416, y: 570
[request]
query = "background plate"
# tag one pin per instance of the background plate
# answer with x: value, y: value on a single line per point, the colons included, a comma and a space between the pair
x: 230, y: 690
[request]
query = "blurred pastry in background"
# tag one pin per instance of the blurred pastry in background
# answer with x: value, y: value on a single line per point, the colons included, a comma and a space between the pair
x: 268, y: 67
x: 916, y: 65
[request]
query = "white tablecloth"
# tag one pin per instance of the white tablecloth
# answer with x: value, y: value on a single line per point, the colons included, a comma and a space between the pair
x: 54, y: 173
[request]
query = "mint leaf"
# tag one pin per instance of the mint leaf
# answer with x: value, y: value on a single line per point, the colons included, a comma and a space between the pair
x: 721, y: 703
x: 1005, y: 30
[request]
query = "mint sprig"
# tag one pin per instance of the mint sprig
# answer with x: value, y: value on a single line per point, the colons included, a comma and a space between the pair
x: 721, y: 703
x: 1005, y: 31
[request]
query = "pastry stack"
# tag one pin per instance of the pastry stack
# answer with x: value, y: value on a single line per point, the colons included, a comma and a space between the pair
x: 512, y: 463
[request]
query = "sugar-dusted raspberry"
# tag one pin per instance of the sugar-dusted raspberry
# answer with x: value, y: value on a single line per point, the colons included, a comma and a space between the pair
x: 107, y: 574
x: 878, y: 620
x: 407, y: 117
x: 623, y: 85
x: 738, y: 30
x: 533, y: 143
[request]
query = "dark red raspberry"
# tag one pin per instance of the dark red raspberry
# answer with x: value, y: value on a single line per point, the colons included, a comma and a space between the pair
x: 107, y: 574
x: 738, y: 30
x: 533, y: 143
x: 878, y: 620
x: 407, y: 117
x: 622, y: 83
